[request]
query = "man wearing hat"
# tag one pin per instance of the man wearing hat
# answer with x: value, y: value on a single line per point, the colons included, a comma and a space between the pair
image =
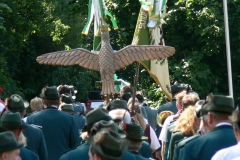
x: 34, y: 135
x: 134, y: 139
x: 13, y: 122
x: 59, y: 128
x: 215, y: 112
x: 9, y: 147
x: 117, y: 147
x: 106, y: 145
x: 67, y: 106
x: 119, y: 112
x: 233, y: 151
x: 94, y: 116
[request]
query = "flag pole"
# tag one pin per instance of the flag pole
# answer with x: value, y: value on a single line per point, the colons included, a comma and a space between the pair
x: 135, y: 87
x: 230, y: 86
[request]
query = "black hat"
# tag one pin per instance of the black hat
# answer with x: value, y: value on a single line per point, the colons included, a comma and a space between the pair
x: 12, y: 120
x: 218, y: 103
x: 50, y: 93
x: 16, y: 103
x: 8, y: 142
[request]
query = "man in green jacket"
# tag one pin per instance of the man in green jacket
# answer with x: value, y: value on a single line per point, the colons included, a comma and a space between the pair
x: 59, y: 128
x: 215, y: 112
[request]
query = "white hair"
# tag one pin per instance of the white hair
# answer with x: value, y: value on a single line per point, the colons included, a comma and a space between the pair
x: 121, y: 114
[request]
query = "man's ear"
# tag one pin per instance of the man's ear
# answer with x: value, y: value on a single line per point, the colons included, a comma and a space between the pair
x: 210, y: 118
x: 236, y: 131
x: 96, y: 157
x: 19, y: 132
x: 4, y: 156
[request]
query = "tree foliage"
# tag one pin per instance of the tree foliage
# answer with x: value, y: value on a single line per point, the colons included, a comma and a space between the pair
x: 194, y: 27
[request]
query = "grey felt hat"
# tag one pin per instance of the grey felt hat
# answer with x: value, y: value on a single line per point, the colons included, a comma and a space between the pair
x: 218, y: 103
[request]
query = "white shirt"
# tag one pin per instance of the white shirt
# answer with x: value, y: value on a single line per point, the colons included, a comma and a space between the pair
x: 1, y: 107
x: 154, y: 141
x: 229, y: 153
x: 163, y: 134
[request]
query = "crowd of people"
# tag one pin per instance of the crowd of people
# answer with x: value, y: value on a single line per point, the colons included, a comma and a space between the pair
x: 125, y: 128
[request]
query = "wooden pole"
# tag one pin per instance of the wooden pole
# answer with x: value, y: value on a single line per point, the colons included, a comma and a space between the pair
x: 135, y: 86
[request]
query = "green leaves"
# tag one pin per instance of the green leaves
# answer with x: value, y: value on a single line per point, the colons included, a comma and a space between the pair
x: 59, y: 31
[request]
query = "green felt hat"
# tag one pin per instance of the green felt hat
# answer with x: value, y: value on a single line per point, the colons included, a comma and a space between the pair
x: 108, y: 143
x: 12, y: 120
x: 133, y: 132
x: 95, y: 116
x: 117, y: 104
x: 218, y: 103
x: 8, y: 142
x: 178, y: 87
x: 68, y: 108
x: 16, y: 103
x: 66, y: 98
x: 50, y: 93
x: 107, y: 125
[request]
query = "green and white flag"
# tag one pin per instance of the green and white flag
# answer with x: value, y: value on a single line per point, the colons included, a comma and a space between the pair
x: 147, y: 32
x: 97, y: 10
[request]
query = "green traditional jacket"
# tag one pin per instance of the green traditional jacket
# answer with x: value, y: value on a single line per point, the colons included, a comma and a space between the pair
x: 180, y: 144
x: 59, y: 130
x: 81, y: 152
x: 145, y: 150
x: 27, y: 154
x: 169, y: 135
x: 204, y: 147
x: 175, y: 138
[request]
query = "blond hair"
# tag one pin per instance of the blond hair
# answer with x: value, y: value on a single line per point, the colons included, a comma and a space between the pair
x: 36, y: 104
x: 138, y: 117
x: 185, y: 122
x: 180, y: 95
x: 190, y: 99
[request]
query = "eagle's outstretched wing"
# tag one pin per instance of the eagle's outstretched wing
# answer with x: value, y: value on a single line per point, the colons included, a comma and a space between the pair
x: 130, y: 54
x: 79, y: 56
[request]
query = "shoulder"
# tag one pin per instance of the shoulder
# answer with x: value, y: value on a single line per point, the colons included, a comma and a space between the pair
x: 77, y: 149
x: 177, y: 133
x: 187, y: 140
x: 128, y: 155
x: 227, y: 153
x: 33, y: 114
x: 29, y: 152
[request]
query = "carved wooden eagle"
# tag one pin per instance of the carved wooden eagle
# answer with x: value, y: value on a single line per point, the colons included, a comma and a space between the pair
x: 106, y: 61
